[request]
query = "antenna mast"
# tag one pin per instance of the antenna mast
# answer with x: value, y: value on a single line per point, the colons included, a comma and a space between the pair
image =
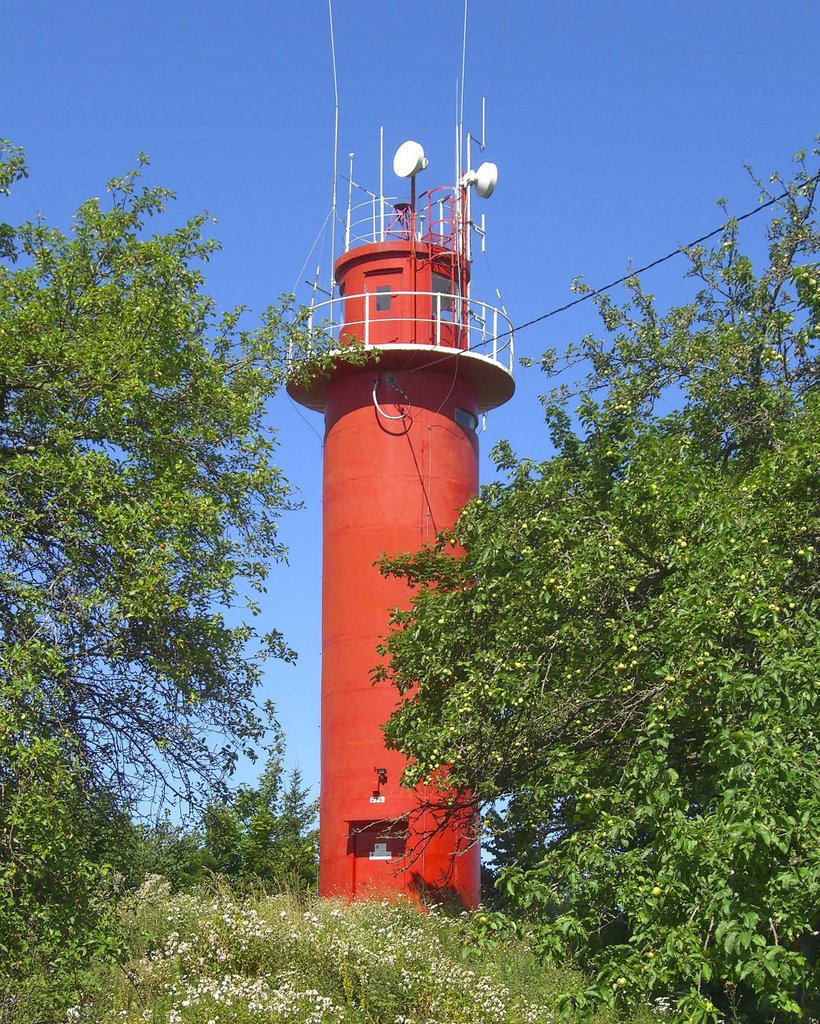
x: 463, y: 66
x: 463, y: 205
x: 335, y: 153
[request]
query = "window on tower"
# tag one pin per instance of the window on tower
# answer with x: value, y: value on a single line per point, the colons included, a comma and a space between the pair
x: 467, y: 420
x: 383, y: 298
x: 443, y: 286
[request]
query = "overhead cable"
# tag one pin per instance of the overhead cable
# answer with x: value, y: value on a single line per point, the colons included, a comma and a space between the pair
x: 649, y: 266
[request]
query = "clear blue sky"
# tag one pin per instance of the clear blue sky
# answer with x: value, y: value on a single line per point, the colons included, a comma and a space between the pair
x: 615, y: 126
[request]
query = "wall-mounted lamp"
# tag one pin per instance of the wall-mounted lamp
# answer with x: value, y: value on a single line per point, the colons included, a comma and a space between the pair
x: 381, y: 775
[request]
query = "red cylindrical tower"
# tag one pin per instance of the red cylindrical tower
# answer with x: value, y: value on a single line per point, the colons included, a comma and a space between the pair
x: 400, y: 462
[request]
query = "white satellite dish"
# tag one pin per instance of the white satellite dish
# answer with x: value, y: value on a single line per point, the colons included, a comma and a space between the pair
x: 486, y: 178
x: 409, y: 159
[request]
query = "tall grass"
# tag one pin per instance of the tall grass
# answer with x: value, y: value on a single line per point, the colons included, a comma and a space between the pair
x: 211, y: 958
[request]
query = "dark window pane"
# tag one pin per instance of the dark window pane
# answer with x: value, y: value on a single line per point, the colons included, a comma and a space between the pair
x: 443, y: 286
x: 465, y: 419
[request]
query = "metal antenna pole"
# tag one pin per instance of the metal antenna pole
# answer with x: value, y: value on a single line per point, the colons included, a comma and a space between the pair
x: 349, y: 201
x: 483, y: 121
x: 468, y: 209
x: 381, y: 183
x: 463, y: 65
x: 458, y: 155
x: 335, y: 153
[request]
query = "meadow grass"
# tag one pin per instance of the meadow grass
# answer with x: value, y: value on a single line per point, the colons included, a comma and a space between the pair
x: 210, y: 957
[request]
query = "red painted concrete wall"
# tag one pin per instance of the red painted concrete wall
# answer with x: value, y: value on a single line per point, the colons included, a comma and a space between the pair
x: 389, y: 485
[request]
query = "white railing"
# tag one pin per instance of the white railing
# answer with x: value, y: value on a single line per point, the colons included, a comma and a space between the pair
x: 453, y: 323
x: 376, y: 220
x: 382, y: 218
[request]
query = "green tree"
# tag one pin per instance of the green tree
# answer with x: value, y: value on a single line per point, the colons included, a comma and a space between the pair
x: 259, y: 836
x: 56, y: 833
x: 138, y: 518
x: 12, y: 168
x: 138, y: 498
x: 168, y: 849
x: 265, y: 835
x: 624, y: 663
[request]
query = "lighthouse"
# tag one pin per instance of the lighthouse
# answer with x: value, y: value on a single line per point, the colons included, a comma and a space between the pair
x: 400, y: 462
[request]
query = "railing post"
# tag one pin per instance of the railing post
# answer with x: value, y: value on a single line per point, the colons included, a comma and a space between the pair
x: 438, y: 318
x: 366, y: 319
